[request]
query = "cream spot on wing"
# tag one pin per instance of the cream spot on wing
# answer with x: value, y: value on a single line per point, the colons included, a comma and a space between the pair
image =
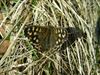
x: 58, y: 31
x: 56, y: 42
x: 35, y: 33
x: 34, y: 38
x: 28, y: 29
x: 30, y: 33
x: 59, y: 40
x: 33, y: 28
x: 37, y: 40
x: 59, y: 35
x: 37, y: 29
x: 63, y: 35
x: 64, y: 31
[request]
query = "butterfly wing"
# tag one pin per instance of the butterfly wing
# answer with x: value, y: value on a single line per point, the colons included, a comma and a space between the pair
x: 45, y: 38
x: 38, y: 36
x: 58, y: 36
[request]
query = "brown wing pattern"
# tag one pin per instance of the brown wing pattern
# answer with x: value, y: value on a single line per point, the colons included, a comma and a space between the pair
x: 45, y: 38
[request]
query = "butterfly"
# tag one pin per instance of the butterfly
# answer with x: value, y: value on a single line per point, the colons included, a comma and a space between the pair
x: 47, y: 37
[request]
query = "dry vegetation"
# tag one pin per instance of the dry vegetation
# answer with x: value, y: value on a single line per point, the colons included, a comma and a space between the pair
x: 22, y: 59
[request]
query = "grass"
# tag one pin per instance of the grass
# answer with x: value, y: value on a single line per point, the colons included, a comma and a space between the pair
x: 22, y: 58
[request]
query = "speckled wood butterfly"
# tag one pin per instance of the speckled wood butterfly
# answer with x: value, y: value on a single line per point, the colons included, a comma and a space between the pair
x: 46, y: 37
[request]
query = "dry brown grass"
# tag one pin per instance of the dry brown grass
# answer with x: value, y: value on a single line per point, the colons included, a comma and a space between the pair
x: 75, y: 60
